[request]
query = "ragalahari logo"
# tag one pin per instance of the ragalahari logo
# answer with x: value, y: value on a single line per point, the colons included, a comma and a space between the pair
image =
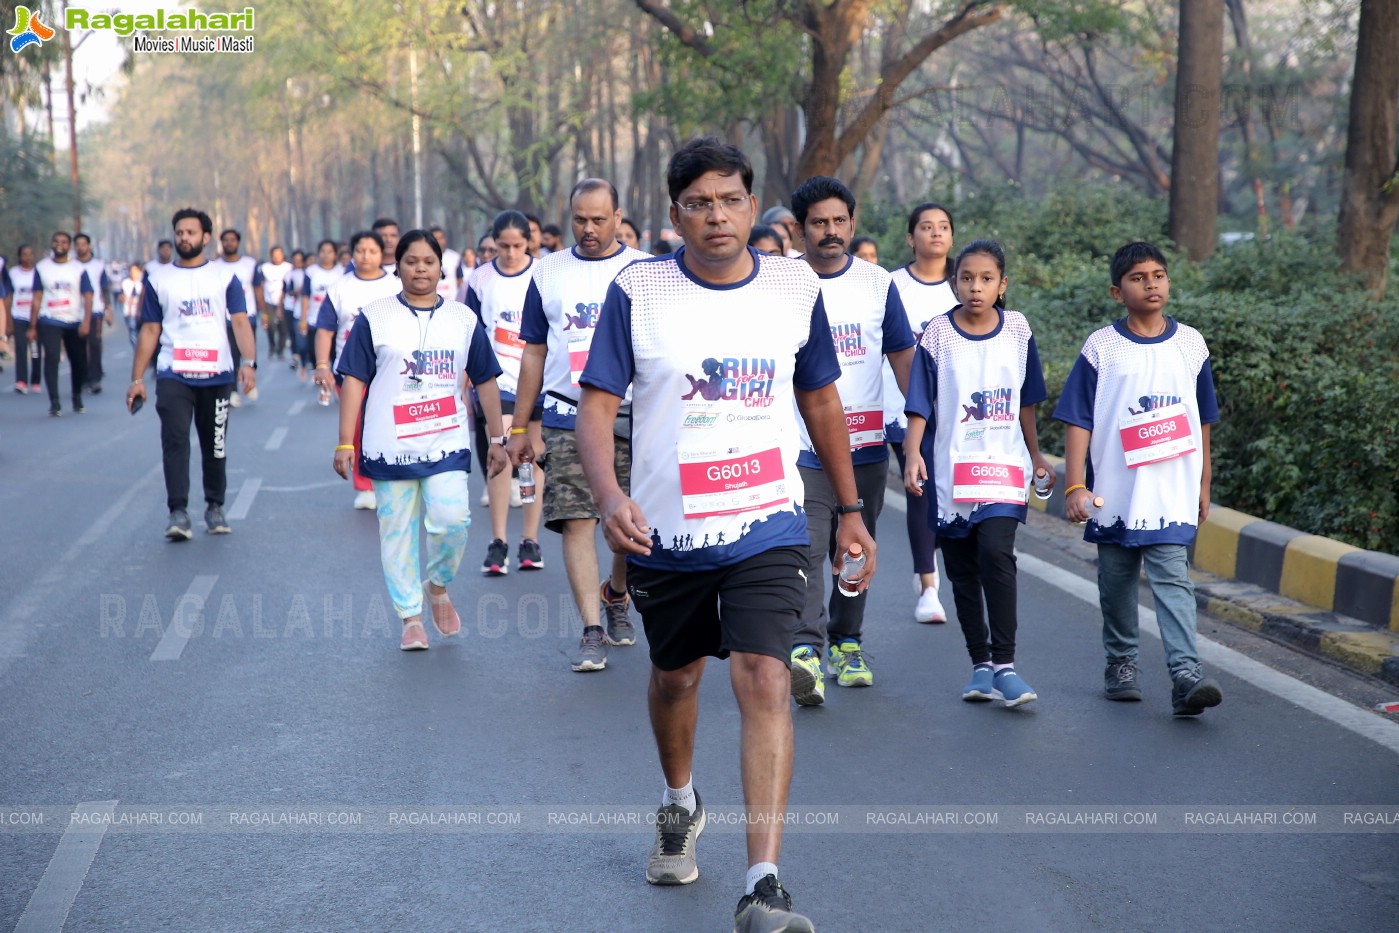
x: 28, y: 30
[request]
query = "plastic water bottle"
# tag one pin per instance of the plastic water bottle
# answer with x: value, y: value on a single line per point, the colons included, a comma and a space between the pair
x: 1042, y: 479
x: 526, y: 472
x: 852, y: 572
x: 1097, y: 504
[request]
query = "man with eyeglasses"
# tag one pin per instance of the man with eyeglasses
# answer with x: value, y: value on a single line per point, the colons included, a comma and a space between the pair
x: 868, y: 324
x: 714, y: 533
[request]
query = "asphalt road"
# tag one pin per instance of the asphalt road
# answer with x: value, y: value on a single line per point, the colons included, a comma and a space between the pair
x: 273, y: 762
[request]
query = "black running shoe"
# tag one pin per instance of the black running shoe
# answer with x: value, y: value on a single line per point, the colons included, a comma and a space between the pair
x: 179, y: 529
x: 1192, y: 693
x: 769, y: 910
x: 215, y: 522
x: 497, y: 562
x: 1120, y: 681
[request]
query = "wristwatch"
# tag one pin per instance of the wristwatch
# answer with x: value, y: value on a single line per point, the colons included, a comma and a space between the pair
x: 252, y: 363
x: 502, y: 440
x: 858, y: 506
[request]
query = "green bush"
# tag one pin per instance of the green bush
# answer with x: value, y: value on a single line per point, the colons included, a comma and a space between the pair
x: 1306, y: 366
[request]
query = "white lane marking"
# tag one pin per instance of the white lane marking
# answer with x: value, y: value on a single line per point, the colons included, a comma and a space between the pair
x: 275, y: 441
x: 1346, y: 715
x: 177, y: 634
x: 48, y: 906
x: 16, y: 624
x: 297, y: 407
x: 307, y: 488
x: 244, y: 501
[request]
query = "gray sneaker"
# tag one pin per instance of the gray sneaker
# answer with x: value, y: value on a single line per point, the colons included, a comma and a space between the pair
x: 620, y: 631
x: 179, y: 529
x: 592, y: 650
x: 215, y: 522
x: 1120, y: 681
x: 769, y: 910
x: 1192, y: 693
x: 672, y: 858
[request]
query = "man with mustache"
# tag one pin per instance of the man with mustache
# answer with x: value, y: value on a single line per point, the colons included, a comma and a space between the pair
x: 868, y: 323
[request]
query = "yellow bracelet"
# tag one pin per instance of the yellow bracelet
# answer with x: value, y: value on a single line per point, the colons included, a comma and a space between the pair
x: 514, y: 431
x: 1072, y: 488
x: 344, y: 447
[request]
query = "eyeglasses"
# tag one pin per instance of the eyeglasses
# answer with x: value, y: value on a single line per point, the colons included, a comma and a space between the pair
x: 735, y: 204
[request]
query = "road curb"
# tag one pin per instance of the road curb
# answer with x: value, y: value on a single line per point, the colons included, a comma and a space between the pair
x: 1323, y: 596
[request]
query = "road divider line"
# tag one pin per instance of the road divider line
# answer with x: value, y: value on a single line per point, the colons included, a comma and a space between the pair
x: 178, y: 632
x: 244, y: 500
x: 16, y: 623
x: 275, y: 441
x: 297, y: 407
x: 1346, y: 715
x: 63, y: 877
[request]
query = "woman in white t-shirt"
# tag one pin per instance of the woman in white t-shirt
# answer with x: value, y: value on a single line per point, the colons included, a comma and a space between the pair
x: 405, y: 365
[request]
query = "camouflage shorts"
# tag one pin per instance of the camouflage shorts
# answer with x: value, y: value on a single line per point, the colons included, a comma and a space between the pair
x: 567, y: 495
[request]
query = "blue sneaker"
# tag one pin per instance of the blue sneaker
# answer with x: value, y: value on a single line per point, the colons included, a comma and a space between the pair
x: 1012, y: 689
x: 980, y: 686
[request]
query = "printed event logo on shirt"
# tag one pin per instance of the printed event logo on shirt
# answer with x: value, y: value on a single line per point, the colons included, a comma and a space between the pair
x: 744, y: 379
x: 578, y: 330
x: 993, y: 405
x: 848, y: 340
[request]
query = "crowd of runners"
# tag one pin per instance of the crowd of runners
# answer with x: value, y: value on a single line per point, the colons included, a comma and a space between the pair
x: 723, y: 407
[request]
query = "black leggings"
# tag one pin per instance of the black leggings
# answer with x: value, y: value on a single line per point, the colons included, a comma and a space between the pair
x: 984, y: 562
x: 28, y: 356
x: 51, y: 337
x: 922, y: 540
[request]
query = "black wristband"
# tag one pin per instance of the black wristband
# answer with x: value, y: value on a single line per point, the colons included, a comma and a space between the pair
x: 858, y: 506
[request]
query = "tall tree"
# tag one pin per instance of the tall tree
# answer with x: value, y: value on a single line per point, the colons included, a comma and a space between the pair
x: 1370, y: 191
x: 1195, y: 153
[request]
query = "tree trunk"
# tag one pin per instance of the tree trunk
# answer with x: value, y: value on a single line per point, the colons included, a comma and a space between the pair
x: 1370, y: 190
x: 1195, y: 153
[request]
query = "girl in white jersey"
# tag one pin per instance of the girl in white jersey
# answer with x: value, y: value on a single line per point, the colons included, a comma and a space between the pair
x: 496, y: 292
x: 342, y: 306
x: 404, y: 367
x: 925, y: 287
x: 28, y: 354
x: 978, y: 378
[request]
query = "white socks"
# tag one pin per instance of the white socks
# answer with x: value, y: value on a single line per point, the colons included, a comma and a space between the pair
x: 997, y: 668
x: 684, y: 796
x: 757, y: 873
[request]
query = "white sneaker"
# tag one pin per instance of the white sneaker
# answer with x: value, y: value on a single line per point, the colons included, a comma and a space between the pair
x: 515, y: 502
x: 366, y: 500
x: 252, y: 394
x: 235, y: 400
x: 485, y: 497
x: 929, y: 608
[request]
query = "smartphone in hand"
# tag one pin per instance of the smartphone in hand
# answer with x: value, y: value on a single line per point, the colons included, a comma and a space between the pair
x: 136, y: 404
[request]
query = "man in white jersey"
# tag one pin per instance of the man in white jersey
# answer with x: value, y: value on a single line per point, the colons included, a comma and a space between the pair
x: 291, y: 310
x: 868, y: 324
x: 164, y: 257
x: 274, y: 283
x: 250, y: 277
x: 387, y: 228
x: 452, y: 276
x: 314, y: 289
x: 62, y: 317
x: 101, y: 288
x: 186, y: 313
x: 714, y: 532
x: 561, y: 312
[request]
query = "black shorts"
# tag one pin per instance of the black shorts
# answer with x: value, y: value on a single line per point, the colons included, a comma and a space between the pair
x: 752, y: 606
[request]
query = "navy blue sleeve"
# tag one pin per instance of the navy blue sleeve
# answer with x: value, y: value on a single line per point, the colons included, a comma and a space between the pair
x: 233, y: 296
x: 328, y: 318
x: 1033, y: 391
x: 611, y: 365
x: 105, y: 283
x: 151, y: 312
x: 922, y: 396
x: 7, y: 284
x: 473, y: 300
x: 257, y: 276
x: 85, y: 284
x: 481, y: 363
x: 306, y: 285
x: 817, y: 365
x: 1204, y: 395
x: 1080, y: 392
x: 534, y: 326
x: 357, y: 357
x: 897, y: 334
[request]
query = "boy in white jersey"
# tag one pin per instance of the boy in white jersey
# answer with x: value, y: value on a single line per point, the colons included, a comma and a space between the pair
x: 715, y: 537
x: 250, y: 277
x: 188, y: 312
x: 101, y: 289
x: 1138, y: 406
x: 868, y: 324
x: 561, y: 312
x: 274, y: 283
